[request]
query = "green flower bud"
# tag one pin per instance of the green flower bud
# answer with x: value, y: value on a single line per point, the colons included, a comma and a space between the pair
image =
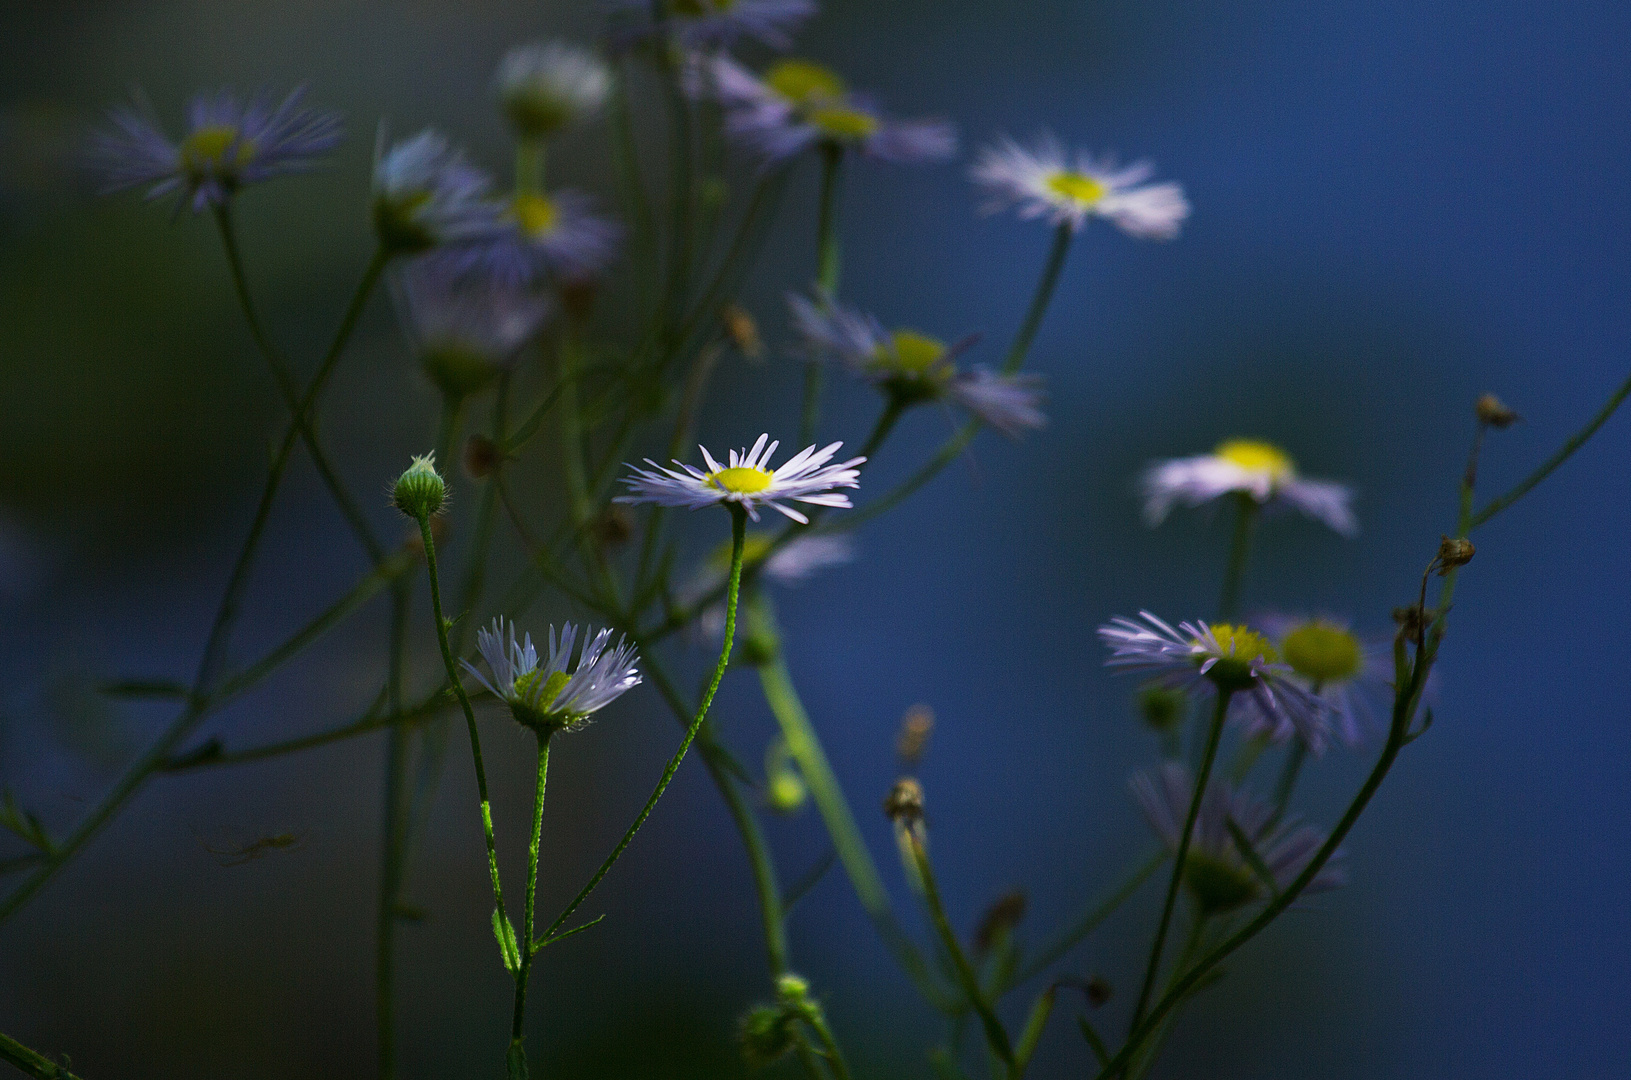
x: 793, y: 989
x: 420, y: 492
x: 765, y: 1034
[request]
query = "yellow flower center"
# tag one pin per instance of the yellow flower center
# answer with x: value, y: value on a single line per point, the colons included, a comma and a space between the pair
x: 1257, y: 456
x: 739, y: 481
x: 1323, y: 652
x: 1238, y: 646
x: 915, y: 352
x: 206, y: 149
x: 535, y: 214
x: 839, y: 122
x: 1077, y: 188
x: 803, y: 83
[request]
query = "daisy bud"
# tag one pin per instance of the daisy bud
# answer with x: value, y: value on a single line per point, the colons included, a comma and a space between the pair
x: 765, y: 1033
x: 1493, y: 412
x: 420, y: 492
x: 1097, y: 991
x: 1002, y: 916
x: 905, y: 801
x: 792, y: 989
x: 1453, y: 552
x: 481, y: 457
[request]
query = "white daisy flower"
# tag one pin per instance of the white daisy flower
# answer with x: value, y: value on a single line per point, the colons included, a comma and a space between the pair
x: 913, y: 367
x: 548, y: 86
x: 1219, y: 876
x: 1044, y: 180
x: 1251, y: 467
x: 1265, y: 700
x: 546, y: 696
x: 1352, y: 673
x: 805, y: 477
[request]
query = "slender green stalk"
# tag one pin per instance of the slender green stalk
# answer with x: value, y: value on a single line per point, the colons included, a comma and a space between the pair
x: 1547, y: 467
x: 738, y: 535
x: 469, y: 712
x: 995, y: 1035
x: 829, y: 1045
x: 393, y: 839
x: 1035, y: 1023
x: 518, y: 1022
x: 367, y: 724
x: 1296, y: 754
x: 529, y: 166
x: 1213, y: 736
x: 1234, y: 572
x: 32, y: 1062
x: 1039, y: 301
x: 828, y: 257
x: 893, y: 409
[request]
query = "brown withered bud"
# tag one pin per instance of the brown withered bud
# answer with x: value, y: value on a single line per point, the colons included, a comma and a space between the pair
x: 481, y: 457
x: 913, y: 739
x: 614, y: 526
x: 578, y: 297
x: 1413, y: 620
x: 1097, y: 990
x: 1492, y: 411
x: 1003, y: 914
x: 742, y: 331
x: 1453, y: 552
x: 905, y: 801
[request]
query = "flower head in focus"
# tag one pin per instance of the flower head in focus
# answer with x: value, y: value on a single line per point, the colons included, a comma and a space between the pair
x: 229, y: 143
x: 427, y: 195
x: 912, y: 367
x: 552, y: 693
x: 464, y: 328
x: 548, y: 86
x: 1259, y: 470
x: 1220, y: 877
x: 798, y: 104
x: 1046, y: 181
x: 1222, y: 658
x: 748, y: 481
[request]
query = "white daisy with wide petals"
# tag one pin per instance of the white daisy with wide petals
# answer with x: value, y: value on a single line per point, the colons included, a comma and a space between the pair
x: 1251, y: 467
x: 747, y: 479
x: 1044, y: 180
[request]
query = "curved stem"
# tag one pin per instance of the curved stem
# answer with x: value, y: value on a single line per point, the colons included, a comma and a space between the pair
x: 1039, y: 302
x: 1213, y: 736
x: 1564, y: 452
x: 32, y: 1062
x: 738, y: 534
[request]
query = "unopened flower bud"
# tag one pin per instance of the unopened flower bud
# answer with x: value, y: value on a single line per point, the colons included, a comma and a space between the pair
x: 1097, y: 991
x: 614, y: 526
x: 905, y: 801
x: 481, y: 457
x: 550, y: 85
x: 742, y: 331
x: 793, y: 989
x: 1492, y: 411
x: 1002, y: 916
x: 913, y: 739
x: 1161, y: 707
x: 765, y: 1034
x: 1452, y: 553
x: 420, y: 492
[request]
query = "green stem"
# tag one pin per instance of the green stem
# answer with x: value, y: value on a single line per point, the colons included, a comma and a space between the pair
x: 469, y: 712
x: 829, y: 1045
x: 1213, y: 736
x: 738, y: 535
x: 529, y: 166
x: 1295, y: 756
x: 995, y: 1035
x: 518, y: 1023
x: 1564, y: 452
x: 1039, y: 302
x: 626, y: 158
x: 679, y: 246
x: 32, y: 1062
x: 1239, y: 545
x: 893, y: 409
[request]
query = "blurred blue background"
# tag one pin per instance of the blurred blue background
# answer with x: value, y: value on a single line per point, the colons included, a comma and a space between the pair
x: 1397, y: 207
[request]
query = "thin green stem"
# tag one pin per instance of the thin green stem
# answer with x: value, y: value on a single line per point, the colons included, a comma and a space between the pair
x: 1547, y: 467
x: 469, y: 712
x: 518, y: 1022
x: 738, y: 535
x: 829, y: 1045
x: 1214, y: 735
x: 681, y: 195
x: 529, y: 166
x: 32, y: 1062
x: 1039, y: 301
x: 995, y: 1034
x: 1295, y: 756
x: 1234, y: 572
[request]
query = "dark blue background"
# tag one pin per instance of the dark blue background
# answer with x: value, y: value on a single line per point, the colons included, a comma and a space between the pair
x: 1397, y: 207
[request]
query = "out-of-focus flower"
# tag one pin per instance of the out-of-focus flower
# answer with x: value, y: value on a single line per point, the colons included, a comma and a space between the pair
x: 747, y: 480
x: 720, y: 24
x: 1219, y: 875
x: 548, y: 86
x: 798, y: 104
x: 1233, y: 659
x: 1045, y: 180
x: 794, y: 563
x: 544, y: 695
x: 912, y: 367
x: 1253, y: 468
x: 464, y: 328
x: 1353, y: 674
x: 427, y: 195
x: 556, y: 237
x: 229, y: 143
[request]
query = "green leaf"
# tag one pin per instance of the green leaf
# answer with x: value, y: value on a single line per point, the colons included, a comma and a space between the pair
x: 505, y: 933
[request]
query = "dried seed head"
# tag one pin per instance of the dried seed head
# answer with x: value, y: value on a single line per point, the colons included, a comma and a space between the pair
x: 1492, y: 411
x: 1453, y: 552
x: 1003, y: 914
x: 905, y: 801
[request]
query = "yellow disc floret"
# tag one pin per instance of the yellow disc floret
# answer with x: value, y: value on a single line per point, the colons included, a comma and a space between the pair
x: 1255, y: 455
x: 739, y: 481
x: 1323, y: 652
x: 1073, y: 186
x: 206, y: 150
x: 804, y: 83
x: 1238, y: 646
x: 840, y: 122
x: 535, y: 214
x: 915, y: 353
